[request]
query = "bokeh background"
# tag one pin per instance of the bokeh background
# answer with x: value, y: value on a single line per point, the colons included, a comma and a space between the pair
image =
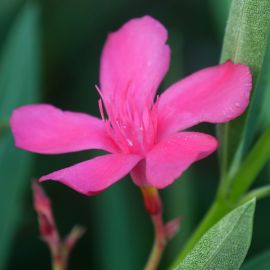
x: 49, y: 52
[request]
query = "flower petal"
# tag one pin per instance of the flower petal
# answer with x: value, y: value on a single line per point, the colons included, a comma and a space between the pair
x: 92, y: 176
x: 215, y: 94
x: 45, y: 129
x: 134, y: 60
x: 173, y: 155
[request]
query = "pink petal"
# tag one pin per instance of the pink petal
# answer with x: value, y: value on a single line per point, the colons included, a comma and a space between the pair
x: 173, y: 155
x: 134, y: 60
x: 216, y: 94
x: 92, y: 176
x: 45, y: 129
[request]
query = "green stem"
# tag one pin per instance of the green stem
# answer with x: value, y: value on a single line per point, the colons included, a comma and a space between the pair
x: 252, y: 165
x: 223, y: 154
x: 258, y: 193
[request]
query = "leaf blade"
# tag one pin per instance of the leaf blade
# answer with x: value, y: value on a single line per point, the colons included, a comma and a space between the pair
x: 225, y: 245
x: 244, y: 42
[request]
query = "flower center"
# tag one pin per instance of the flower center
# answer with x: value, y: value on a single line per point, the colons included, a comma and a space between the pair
x: 133, y: 128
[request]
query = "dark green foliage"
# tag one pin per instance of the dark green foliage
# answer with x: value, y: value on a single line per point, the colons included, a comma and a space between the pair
x: 19, y: 84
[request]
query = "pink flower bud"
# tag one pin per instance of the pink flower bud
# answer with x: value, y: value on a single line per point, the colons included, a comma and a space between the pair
x: 172, y: 227
x: 60, y: 250
x: 76, y: 233
x: 47, y: 225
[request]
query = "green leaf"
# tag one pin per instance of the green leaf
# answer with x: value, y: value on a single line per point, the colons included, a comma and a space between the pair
x: 263, y: 114
x: 225, y: 245
x: 257, y: 117
x: 244, y: 42
x: 260, y: 262
x: 19, y: 83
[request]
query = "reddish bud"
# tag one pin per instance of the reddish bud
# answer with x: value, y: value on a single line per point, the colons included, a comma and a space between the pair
x: 172, y: 227
x: 47, y: 225
x: 76, y: 233
x: 60, y: 250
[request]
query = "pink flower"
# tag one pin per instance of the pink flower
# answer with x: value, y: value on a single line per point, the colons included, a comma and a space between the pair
x: 144, y: 136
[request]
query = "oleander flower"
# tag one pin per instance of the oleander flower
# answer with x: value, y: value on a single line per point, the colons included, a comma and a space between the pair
x: 144, y: 135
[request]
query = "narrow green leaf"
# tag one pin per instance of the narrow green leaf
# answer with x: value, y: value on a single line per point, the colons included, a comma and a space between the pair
x: 244, y: 42
x: 260, y: 262
x: 263, y: 115
x: 225, y: 245
x: 19, y: 81
x: 257, y: 116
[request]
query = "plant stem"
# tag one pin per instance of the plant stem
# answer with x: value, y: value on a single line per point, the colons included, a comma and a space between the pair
x: 153, y: 205
x: 258, y: 193
x: 60, y: 256
x: 57, y: 266
x: 59, y: 262
x: 251, y: 166
x: 159, y: 243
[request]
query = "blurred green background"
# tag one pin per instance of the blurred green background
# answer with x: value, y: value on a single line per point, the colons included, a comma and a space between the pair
x: 49, y: 52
